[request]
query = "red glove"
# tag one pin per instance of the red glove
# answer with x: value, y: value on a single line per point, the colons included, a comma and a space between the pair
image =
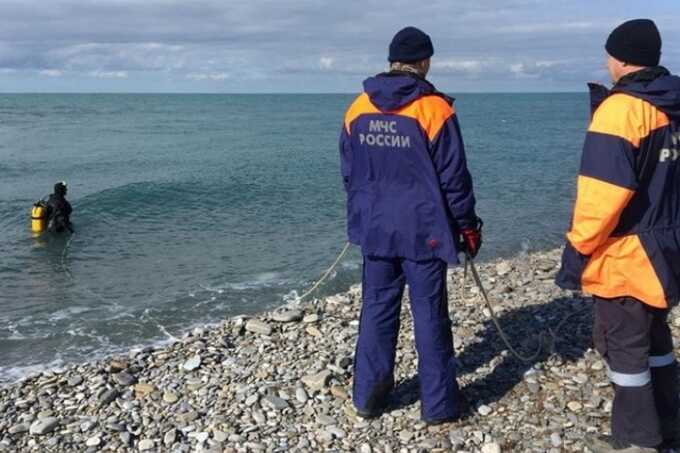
x: 471, y: 240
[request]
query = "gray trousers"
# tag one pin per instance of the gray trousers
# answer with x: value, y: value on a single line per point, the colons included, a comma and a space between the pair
x: 637, y: 346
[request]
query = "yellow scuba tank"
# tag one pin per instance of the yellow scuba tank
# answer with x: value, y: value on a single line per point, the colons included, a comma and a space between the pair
x: 39, y: 217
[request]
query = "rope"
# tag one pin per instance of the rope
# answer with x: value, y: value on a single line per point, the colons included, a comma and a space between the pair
x: 327, y: 273
x: 549, y: 334
x: 70, y: 275
x: 63, y: 256
x: 542, y: 335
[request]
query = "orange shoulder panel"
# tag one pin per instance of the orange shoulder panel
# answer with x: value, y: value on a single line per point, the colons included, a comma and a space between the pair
x: 431, y: 112
x: 361, y: 105
x: 622, y: 268
x: 627, y: 117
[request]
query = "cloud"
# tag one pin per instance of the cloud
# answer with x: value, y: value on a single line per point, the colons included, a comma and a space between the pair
x: 51, y: 73
x: 460, y: 66
x: 539, y: 28
x: 215, y: 76
x: 293, y: 45
x: 522, y: 70
x: 326, y: 63
x: 113, y: 57
x: 109, y: 74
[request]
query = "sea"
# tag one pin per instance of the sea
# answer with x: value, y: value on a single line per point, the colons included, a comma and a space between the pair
x: 192, y: 208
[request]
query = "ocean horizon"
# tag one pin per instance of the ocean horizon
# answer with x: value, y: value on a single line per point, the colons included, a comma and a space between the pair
x: 257, y: 93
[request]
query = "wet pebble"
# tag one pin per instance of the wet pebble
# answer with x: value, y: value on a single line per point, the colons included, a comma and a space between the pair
x: 145, y: 445
x: 93, y: 441
x: 491, y: 447
x: 301, y: 395
x: 170, y: 397
x: 317, y: 381
x: 274, y: 402
x: 124, y: 379
x: 192, y: 364
x: 555, y: 439
x: 170, y: 437
x: 258, y: 327
x: 289, y: 315
x: 484, y: 410
x: 44, y: 426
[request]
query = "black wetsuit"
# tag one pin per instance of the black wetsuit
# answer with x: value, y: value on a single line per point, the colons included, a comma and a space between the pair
x: 58, y: 214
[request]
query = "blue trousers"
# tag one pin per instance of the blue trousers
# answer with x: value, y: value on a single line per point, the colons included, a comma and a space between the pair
x: 383, y: 287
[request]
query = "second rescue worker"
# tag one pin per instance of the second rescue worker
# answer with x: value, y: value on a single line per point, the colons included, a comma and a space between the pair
x: 624, y: 243
x: 409, y: 199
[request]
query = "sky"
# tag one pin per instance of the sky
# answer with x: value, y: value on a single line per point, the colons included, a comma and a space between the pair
x: 300, y: 46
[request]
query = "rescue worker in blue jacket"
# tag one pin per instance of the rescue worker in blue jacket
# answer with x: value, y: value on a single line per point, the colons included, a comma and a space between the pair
x: 409, y: 202
x: 624, y: 243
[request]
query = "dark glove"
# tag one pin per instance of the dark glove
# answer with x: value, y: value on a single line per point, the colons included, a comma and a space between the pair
x: 471, y: 238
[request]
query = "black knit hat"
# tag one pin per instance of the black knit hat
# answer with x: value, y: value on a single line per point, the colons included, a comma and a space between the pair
x: 410, y: 45
x: 636, y: 42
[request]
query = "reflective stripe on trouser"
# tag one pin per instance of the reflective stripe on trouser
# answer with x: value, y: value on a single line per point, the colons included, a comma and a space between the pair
x: 658, y: 361
x: 636, y: 343
x: 629, y: 379
x: 640, y: 379
x: 383, y: 286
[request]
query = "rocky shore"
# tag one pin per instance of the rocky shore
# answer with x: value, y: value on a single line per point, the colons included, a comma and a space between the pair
x: 281, y: 381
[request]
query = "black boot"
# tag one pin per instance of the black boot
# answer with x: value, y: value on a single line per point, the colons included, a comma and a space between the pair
x: 607, y: 444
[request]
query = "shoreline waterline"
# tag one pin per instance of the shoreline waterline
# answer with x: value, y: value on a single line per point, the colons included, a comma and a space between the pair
x: 287, y: 300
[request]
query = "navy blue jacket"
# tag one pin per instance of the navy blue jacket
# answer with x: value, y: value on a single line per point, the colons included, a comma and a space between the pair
x: 403, y: 164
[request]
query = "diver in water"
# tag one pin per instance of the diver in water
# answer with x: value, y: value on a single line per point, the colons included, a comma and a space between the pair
x: 59, y: 210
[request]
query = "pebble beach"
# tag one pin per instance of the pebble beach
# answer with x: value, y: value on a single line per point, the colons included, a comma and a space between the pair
x: 281, y: 381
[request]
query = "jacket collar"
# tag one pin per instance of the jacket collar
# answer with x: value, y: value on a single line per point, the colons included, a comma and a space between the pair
x: 644, y: 75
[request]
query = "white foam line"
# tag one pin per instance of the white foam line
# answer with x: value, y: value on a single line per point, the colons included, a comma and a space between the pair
x: 170, y: 336
x: 20, y: 373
